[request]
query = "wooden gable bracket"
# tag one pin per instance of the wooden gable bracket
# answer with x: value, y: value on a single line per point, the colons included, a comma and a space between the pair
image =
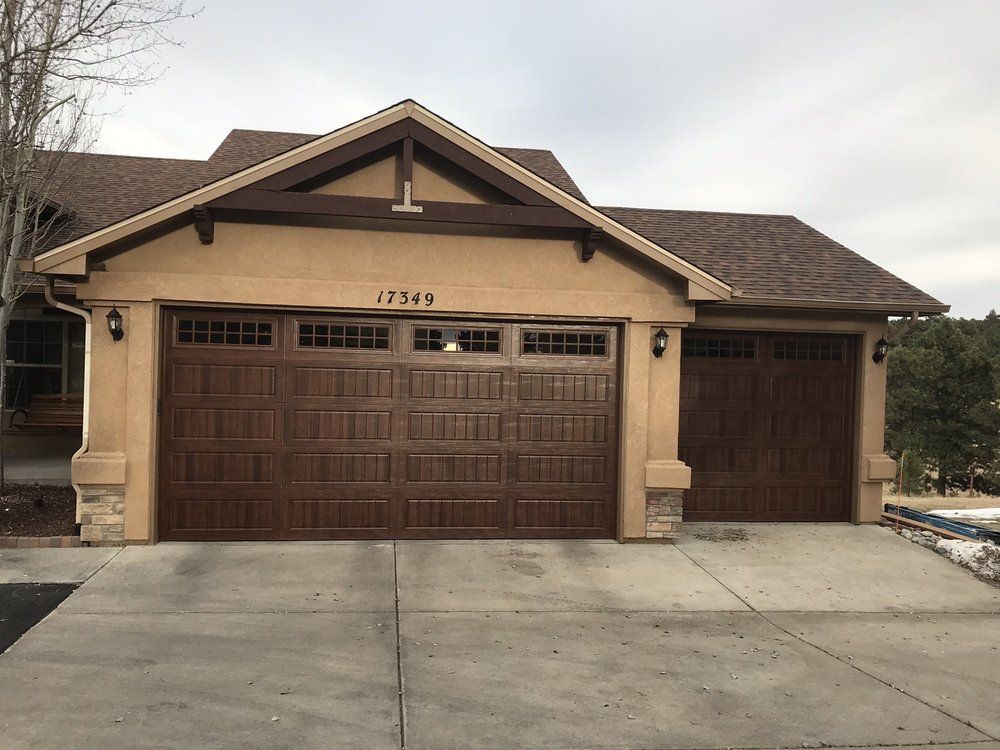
x: 591, y: 238
x: 204, y: 224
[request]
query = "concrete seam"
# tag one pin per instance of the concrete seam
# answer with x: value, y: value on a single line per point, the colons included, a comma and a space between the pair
x: 103, y: 566
x: 399, y: 657
x: 960, y: 743
x: 834, y: 656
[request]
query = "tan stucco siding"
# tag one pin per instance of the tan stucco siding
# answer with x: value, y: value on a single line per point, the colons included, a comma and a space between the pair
x: 346, y: 268
x: 377, y: 180
x: 433, y: 180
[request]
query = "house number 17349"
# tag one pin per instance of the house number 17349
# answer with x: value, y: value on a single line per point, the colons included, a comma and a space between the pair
x: 395, y: 297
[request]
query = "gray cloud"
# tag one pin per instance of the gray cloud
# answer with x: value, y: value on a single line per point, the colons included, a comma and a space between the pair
x: 877, y: 122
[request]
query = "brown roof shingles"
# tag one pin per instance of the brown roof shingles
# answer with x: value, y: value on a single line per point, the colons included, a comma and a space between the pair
x: 771, y: 256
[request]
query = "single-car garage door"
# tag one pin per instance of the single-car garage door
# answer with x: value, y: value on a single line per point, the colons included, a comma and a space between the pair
x: 297, y: 426
x: 766, y: 426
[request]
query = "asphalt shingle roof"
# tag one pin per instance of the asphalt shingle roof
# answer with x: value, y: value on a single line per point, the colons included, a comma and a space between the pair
x: 771, y: 256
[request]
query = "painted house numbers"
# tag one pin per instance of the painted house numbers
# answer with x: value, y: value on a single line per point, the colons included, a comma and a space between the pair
x: 404, y: 297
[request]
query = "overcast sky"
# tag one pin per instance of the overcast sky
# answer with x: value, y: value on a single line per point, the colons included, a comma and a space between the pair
x: 876, y: 122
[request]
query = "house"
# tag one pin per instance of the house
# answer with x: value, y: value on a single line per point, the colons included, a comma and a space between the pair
x: 397, y: 331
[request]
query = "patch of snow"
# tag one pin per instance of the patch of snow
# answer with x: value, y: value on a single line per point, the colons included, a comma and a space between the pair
x: 982, y: 513
x: 981, y: 559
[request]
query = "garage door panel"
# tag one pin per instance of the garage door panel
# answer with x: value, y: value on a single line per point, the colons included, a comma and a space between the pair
x: 714, y: 422
x: 467, y: 513
x: 574, y: 387
x: 336, y: 467
x: 725, y: 388
x: 450, y: 467
x: 349, y: 425
x: 562, y: 428
x: 549, y: 514
x: 562, y: 469
x: 824, y: 462
x: 768, y: 435
x: 814, y: 391
x: 804, y: 501
x: 362, y: 383
x: 222, y: 381
x: 705, y: 503
x: 482, y: 385
x: 217, y: 423
x: 721, y: 458
x: 807, y: 425
x: 318, y: 514
x: 214, y: 467
x: 455, y: 426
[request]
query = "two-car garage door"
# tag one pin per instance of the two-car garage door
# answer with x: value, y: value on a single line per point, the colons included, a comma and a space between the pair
x: 287, y: 426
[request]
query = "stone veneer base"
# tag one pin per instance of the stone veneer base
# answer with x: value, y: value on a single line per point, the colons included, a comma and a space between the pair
x: 102, y: 515
x: 664, y: 509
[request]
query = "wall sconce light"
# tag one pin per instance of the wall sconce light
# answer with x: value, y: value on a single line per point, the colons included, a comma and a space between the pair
x: 659, y: 343
x: 881, y: 350
x: 115, y: 324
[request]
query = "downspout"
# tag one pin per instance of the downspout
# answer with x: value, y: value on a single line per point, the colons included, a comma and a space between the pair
x: 85, y: 314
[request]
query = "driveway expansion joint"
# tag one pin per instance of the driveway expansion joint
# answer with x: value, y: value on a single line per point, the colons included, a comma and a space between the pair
x: 399, y: 657
x: 850, y: 664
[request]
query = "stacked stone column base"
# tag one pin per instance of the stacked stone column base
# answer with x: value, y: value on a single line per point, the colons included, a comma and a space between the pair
x: 664, y: 509
x: 102, y: 515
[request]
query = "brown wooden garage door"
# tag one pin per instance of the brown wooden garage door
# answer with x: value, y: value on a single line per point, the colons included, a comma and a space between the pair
x: 288, y: 426
x: 766, y: 426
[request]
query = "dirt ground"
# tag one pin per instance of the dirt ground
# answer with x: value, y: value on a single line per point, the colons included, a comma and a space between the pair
x: 37, y: 510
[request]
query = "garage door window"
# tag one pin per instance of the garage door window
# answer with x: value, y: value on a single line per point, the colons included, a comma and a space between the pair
x: 224, y: 332
x: 815, y: 351
x: 475, y: 340
x: 343, y: 336
x: 719, y: 348
x: 565, y: 343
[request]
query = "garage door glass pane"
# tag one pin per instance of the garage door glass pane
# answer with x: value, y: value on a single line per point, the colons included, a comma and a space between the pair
x: 568, y: 343
x: 815, y: 351
x: 719, y: 348
x: 481, y: 340
x: 224, y: 332
x: 343, y: 336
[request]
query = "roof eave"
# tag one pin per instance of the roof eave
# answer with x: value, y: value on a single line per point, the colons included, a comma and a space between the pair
x: 888, y: 307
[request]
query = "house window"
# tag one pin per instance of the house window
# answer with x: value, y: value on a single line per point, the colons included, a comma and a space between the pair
x: 815, y: 351
x: 479, y: 340
x: 568, y: 343
x: 224, y: 332
x: 44, y: 356
x: 337, y: 336
x: 715, y: 347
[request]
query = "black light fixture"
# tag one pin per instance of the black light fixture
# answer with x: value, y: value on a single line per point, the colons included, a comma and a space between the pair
x: 659, y: 343
x: 881, y: 349
x: 115, y: 324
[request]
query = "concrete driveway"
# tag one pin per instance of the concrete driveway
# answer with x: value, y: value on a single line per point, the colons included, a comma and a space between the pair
x: 798, y: 636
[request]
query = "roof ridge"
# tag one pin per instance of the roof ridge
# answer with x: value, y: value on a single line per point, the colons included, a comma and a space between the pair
x: 127, y: 156
x: 696, y: 211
